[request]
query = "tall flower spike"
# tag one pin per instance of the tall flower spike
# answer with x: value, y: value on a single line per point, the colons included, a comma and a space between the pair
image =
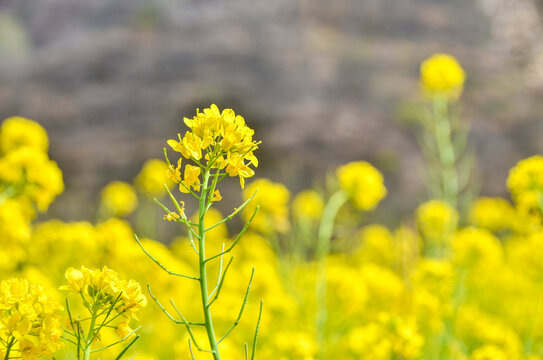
x: 218, y: 144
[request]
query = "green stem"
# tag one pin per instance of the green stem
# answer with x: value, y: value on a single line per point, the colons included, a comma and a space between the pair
x: 326, y: 230
x: 447, y: 156
x: 90, y: 337
x: 8, y: 348
x: 203, y: 269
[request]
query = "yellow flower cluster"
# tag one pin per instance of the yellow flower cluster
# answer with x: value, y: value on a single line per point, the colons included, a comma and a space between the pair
x: 29, y: 174
x: 102, y: 288
x: 308, y: 204
x: 150, y: 181
x: 18, y: 132
x: 436, y: 220
x: 119, y: 198
x: 29, y: 180
x: 222, y: 140
x: 525, y: 182
x: 363, y: 183
x: 476, y: 247
x: 441, y: 75
x: 387, y: 338
x: 386, y: 297
x: 30, y: 325
x: 272, y: 199
x: 494, y: 214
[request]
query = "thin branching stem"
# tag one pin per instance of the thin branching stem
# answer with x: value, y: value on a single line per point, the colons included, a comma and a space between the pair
x: 160, y: 264
x: 220, y: 283
x: 220, y: 273
x: 119, y: 341
x: 191, y: 354
x: 106, y: 317
x: 236, y: 239
x: 242, y: 307
x: 127, y: 347
x: 233, y: 214
x: 256, y: 330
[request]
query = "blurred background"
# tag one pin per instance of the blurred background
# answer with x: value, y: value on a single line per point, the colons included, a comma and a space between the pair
x: 321, y: 82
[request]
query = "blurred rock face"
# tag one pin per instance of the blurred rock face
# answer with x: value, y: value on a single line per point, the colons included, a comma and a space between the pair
x: 319, y: 81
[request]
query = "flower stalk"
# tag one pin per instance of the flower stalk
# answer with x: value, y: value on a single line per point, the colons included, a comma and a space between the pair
x: 220, y: 145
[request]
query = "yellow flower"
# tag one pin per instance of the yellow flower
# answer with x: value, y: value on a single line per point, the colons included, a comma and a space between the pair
x: 442, y: 75
x: 174, y: 173
x: 525, y: 182
x: 119, y: 198
x: 14, y: 222
x: 171, y: 216
x: 103, y: 288
x: 489, y: 352
x: 388, y: 337
x: 216, y: 196
x: 481, y: 328
x: 494, y: 214
x: 308, y: 204
x: 272, y: 198
x: 29, y: 316
x: 123, y: 328
x: 190, y: 179
x: 477, y: 247
x: 363, y: 183
x: 75, y: 279
x: 35, y: 177
x: 434, y: 276
x: 190, y: 146
x: 222, y: 139
x: 237, y: 167
x: 436, y: 220
x: 377, y: 245
x: 17, y: 132
x: 152, y: 177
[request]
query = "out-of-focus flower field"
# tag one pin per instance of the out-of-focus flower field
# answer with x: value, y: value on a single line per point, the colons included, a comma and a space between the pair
x: 463, y: 279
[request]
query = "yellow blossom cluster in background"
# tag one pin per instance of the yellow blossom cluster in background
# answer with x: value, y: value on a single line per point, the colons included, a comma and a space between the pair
x: 443, y: 284
x: 442, y: 75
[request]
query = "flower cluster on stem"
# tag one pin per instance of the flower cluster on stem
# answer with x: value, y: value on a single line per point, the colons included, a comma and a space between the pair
x: 217, y: 145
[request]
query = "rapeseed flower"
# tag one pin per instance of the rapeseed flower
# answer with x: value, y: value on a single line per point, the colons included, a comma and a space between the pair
x: 103, y: 288
x: 489, y: 352
x: 436, y: 276
x: 477, y: 327
x: 525, y: 182
x: 119, y: 198
x: 14, y: 222
x: 17, y: 132
x: 494, y: 214
x: 191, y: 179
x: 30, y: 325
x: 377, y: 245
x: 436, y: 221
x: 31, y: 175
x: 272, y: 199
x: 473, y: 247
x: 308, y: 205
x: 218, y: 139
x: 150, y: 181
x: 441, y: 75
x: 388, y: 337
x: 363, y: 183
